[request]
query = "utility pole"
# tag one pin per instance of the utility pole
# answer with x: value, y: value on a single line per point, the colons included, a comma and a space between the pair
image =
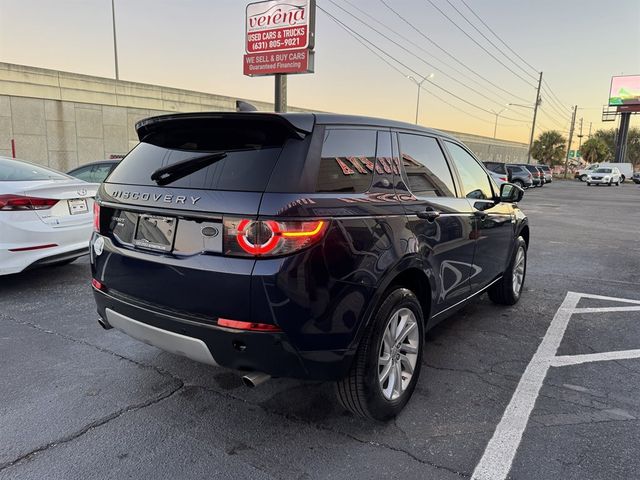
x: 590, y: 124
x: 580, y: 136
x: 535, y: 113
x: 573, y: 124
x: 280, y: 101
x: 115, y: 43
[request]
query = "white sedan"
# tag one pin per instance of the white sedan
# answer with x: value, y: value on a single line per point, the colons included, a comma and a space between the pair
x: 46, y: 217
x: 604, y: 176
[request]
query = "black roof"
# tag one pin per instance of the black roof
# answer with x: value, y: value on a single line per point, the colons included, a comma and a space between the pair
x: 302, y: 122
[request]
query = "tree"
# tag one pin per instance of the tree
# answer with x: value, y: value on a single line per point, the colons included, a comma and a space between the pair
x: 633, y: 145
x: 595, y: 150
x: 549, y: 148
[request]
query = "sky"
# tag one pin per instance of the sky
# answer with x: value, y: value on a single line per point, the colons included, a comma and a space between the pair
x: 199, y: 44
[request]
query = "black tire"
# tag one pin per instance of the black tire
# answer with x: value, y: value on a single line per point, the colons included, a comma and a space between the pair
x: 360, y: 391
x: 504, y: 292
x: 622, y: 178
x: 583, y: 178
x: 588, y: 184
x: 519, y: 183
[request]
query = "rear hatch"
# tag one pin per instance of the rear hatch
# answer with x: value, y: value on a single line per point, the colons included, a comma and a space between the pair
x: 74, y: 201
x: 167, y: 230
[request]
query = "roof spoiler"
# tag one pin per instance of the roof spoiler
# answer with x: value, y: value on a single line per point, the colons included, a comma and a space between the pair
x: 298, y: 125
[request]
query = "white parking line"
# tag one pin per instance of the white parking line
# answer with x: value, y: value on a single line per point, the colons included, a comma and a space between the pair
x: 498, y: 456
x: 566, y: 360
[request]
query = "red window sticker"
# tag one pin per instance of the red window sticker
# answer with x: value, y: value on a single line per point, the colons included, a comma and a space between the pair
x: 368, y: 163
x: 356, y: 163
x: 384, y: 161
x: 345, y: 168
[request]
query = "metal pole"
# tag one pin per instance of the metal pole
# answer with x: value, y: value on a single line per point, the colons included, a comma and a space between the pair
x: 535, y: 114
x: 621, y: 143
x: 418, y: 100
x: 115, y: 42
x: 573, y: 123
x: 590, y: 124
x: 495, y: 127
x: 280, y: 104
x: 580, y: 138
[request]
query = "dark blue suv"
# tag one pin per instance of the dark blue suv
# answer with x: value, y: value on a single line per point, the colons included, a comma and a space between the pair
x: 302, y: 245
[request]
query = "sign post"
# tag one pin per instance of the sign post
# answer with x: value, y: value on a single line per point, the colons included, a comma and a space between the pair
x: 280, y: 37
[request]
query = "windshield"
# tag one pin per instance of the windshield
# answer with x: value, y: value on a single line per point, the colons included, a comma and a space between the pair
x: 19, y: 171
x: 603, y: 170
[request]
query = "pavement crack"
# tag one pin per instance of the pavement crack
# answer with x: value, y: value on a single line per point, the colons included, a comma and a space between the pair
x: 95, y: 424
x: 298, y: 419
x: 69, y: 338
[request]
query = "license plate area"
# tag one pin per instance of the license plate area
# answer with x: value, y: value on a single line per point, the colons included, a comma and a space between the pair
x: 77, y: 206
x: 155, y: 232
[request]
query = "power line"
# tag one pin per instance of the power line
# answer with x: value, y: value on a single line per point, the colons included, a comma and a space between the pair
x: 362, y: 39
x: 546, y: 87
x: 499, y: 103
x: 498, y: 37
x: 479, y: 45
x: 488, y: 39
x: 419, y: 47
x: 453, y: 57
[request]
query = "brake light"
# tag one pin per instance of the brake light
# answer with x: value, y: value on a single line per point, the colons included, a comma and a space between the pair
x: 96, y: 217
x: 255, y: 327
x: 259, y: 238
x: 21, y: 202
x: 503, y: 179
x: 96, y: 284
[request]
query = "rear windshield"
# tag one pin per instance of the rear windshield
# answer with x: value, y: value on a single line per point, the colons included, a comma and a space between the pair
x: 252, y: 149
x: 545, y: 168
x: 18, y: 171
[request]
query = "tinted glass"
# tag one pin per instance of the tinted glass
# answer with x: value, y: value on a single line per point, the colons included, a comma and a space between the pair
x: 348, y: 160
x: 495, y: 167
x: 93, y: 173
x: 425, y: 165
x: 474, y: 178
x: 252, y: 149
x: 603, y: 170
x: 17, y: 171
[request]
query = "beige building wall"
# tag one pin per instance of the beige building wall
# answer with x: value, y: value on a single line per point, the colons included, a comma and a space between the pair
x: 63, y: 119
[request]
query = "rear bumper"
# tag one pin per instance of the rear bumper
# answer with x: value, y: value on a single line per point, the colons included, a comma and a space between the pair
x: 266, y: 352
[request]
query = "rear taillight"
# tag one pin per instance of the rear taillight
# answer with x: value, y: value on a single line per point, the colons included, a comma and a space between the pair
x: 254, y: 327
x: 21, y: 202
x: 96, y: 217
x: 504, y: 179
x: 259, y: 238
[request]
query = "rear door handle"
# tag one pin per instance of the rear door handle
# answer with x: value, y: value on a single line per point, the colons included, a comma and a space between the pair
x: 429, y: 214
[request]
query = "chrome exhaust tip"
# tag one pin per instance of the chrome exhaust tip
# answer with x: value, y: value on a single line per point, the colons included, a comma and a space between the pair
x: 104, y: 324
x: 254, y: 379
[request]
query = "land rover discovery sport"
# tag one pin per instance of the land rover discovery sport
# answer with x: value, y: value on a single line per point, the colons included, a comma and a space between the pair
x: 314, y: 246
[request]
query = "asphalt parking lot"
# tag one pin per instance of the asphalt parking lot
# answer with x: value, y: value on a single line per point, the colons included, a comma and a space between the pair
x: 78, y: 402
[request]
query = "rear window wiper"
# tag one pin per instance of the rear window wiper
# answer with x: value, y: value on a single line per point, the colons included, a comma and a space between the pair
x: 178, y: 170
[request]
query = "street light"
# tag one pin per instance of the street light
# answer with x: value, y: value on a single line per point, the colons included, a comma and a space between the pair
x: 419, y: 84
x: 497, y: 114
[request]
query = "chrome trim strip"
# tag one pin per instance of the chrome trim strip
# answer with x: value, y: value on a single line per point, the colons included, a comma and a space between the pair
x: 189, y: 347
x: 479, y: 292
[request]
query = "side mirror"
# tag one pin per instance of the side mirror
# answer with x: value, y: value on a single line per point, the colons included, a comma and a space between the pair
x: 510, y: 193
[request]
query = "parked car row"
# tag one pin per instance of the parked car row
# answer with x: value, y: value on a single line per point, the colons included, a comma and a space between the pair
x: 522, y: 174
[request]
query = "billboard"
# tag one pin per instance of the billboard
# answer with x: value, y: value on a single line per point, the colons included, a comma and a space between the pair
x: 280, y: 36
x: 625, y: 90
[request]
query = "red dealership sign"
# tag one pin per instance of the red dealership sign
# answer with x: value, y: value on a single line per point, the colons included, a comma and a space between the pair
x: 285, y: 61
x: 279, y: 37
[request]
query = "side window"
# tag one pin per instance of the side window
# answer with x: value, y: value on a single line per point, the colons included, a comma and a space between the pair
x: 427, y: 170
x: 84, y: 173
x: 348, y: 160
x: 100, y: 172
x: 474, y: 178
